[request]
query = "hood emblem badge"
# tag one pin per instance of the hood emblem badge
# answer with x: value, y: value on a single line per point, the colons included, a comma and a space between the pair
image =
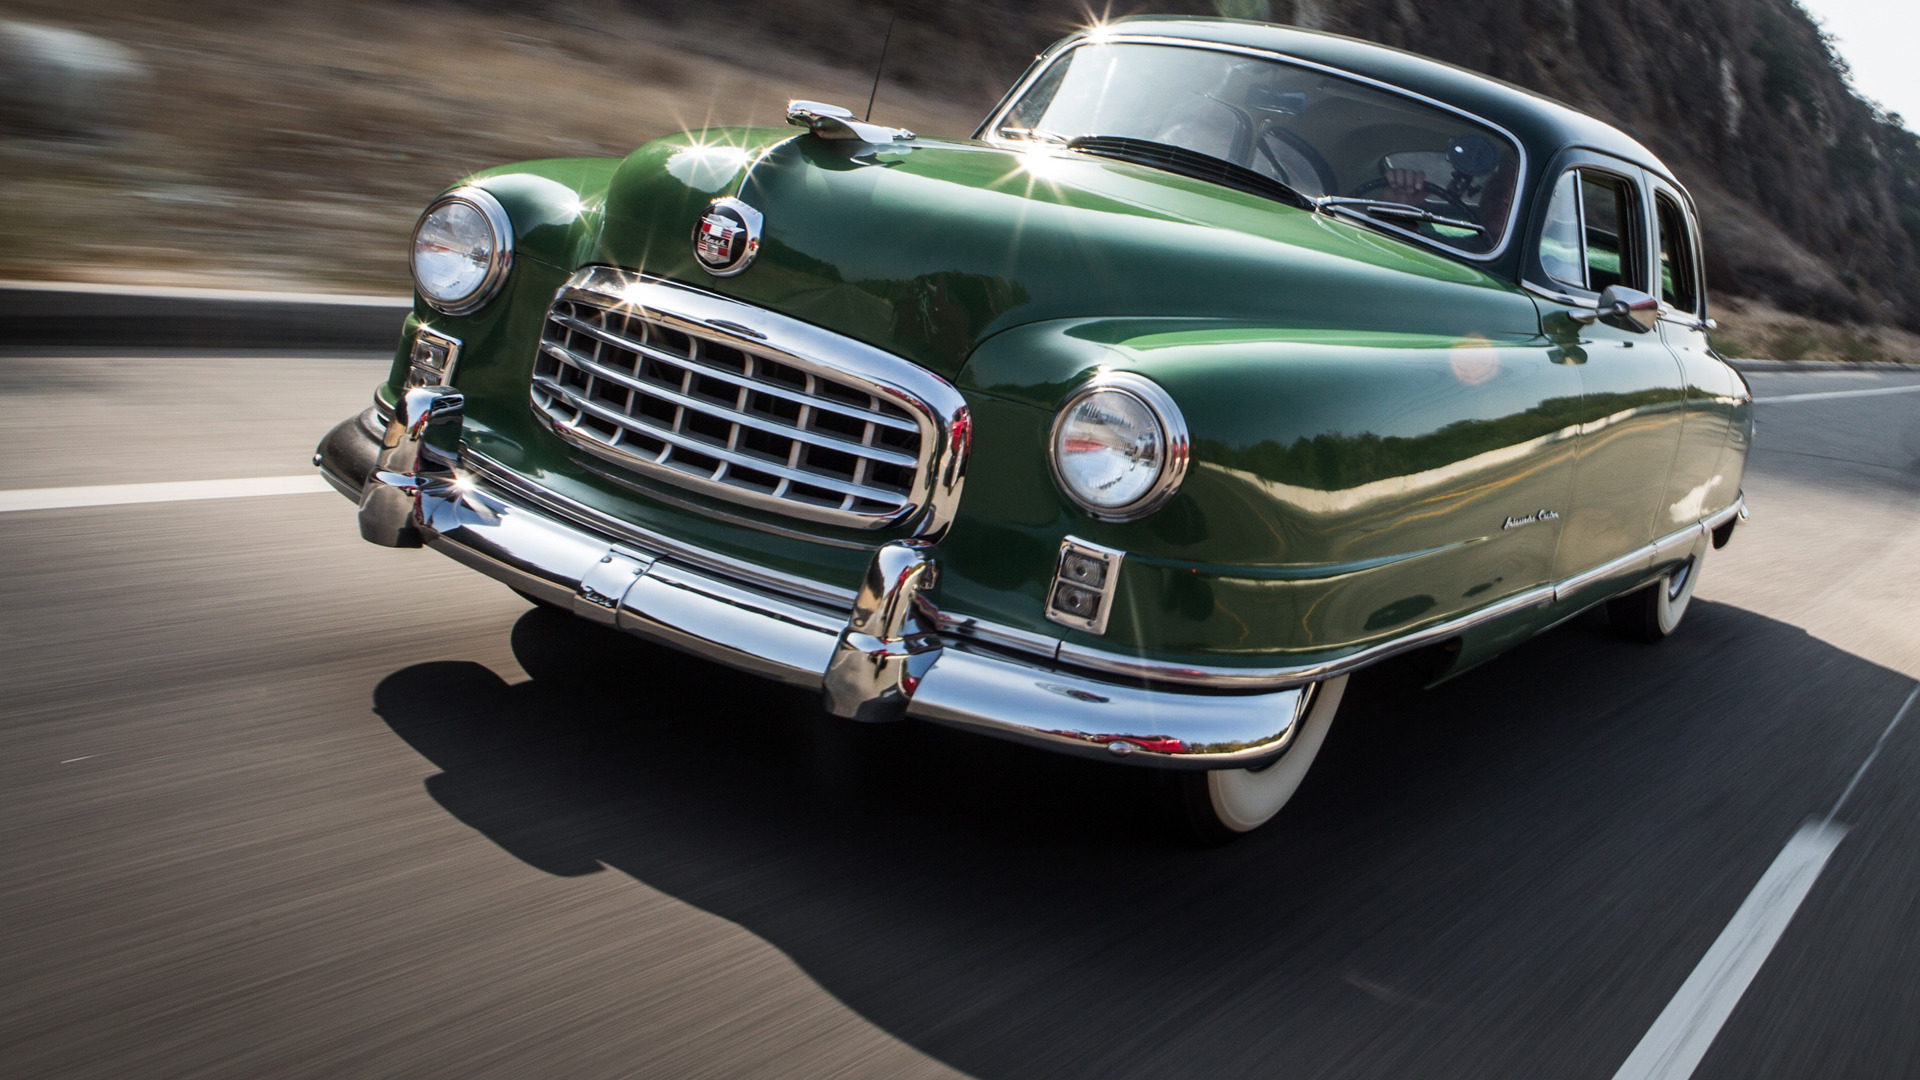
x: 727, y: 237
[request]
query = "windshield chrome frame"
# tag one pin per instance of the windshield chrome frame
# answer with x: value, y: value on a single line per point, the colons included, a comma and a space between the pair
x: 985, y: 132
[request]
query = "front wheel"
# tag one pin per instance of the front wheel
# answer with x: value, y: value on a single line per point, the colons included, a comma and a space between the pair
x: 1220, y: 804
x: 1650, y: 613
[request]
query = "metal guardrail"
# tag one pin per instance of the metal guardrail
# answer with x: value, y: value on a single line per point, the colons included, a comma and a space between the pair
x: 61, y: 315
x: 36, y: 314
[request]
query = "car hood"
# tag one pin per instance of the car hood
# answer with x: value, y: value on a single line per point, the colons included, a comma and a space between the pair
x: 928, y: 247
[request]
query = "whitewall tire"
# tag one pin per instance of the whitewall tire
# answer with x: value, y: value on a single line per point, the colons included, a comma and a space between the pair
x: 1650, y: 613
x: 1221, y: 804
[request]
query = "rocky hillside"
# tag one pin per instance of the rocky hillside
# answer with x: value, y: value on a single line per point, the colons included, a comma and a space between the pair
x: 239, y: 142
x: 1811, y: 196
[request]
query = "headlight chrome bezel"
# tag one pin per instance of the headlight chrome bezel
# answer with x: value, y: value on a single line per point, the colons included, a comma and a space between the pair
x: 495, y: 215
x: 1173, y: 434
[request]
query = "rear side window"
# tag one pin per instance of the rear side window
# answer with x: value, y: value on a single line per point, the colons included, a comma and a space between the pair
x: 1678, y: 286
x: 1590, y: 233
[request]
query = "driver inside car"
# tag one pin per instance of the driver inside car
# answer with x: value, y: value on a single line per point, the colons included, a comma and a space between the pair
x: 1409, y: 187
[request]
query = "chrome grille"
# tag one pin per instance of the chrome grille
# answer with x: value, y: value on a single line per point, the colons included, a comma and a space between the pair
x: 729, y: 412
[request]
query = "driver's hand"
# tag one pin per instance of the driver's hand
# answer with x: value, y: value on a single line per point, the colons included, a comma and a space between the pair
x: 1407, y: 186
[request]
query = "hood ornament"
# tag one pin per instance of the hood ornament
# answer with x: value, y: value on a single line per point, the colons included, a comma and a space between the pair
x: 835, y: 123
x: 727, y: 237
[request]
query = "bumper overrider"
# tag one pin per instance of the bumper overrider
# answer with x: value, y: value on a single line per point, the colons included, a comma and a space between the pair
x: 888, y: 657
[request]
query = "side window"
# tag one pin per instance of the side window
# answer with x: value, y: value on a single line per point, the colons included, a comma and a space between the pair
x: 1677, y: 284
x: 1606, y: 205
x: 1560, y: 250
x: 1589, y: 240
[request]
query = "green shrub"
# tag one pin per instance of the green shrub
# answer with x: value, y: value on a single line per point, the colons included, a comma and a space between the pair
x: 1859, y: 350
x: 1792, y: 343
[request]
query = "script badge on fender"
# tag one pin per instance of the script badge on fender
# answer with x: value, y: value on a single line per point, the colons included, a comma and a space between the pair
x: 727, y: 238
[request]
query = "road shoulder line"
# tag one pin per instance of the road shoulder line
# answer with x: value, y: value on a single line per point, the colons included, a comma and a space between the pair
x: 1679, y: 1038
x: 63, y: 498
x: 1825, y: 394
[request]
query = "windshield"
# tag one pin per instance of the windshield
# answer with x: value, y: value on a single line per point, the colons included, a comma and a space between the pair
x: 1318, y: 133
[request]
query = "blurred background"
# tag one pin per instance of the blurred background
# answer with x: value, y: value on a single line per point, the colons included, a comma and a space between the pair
x: 246, y: 144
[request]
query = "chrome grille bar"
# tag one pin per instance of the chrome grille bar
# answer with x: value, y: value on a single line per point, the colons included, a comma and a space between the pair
x: 900, y: 423
x: 880, y: 453
x: 703, y: 392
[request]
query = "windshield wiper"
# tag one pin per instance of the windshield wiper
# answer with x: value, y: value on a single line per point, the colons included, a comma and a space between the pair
x: 1190, y: 163
x: 1331, y: 203
x: 1035, y: 134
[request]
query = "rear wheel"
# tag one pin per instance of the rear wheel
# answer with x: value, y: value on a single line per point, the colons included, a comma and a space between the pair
x: 1221, y: 804
x: 1651, y: 613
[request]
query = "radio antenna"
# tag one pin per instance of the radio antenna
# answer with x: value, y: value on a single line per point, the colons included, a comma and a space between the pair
x: 884, y: 42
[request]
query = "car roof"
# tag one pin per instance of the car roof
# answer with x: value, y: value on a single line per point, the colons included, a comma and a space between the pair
x: 1542, y: 125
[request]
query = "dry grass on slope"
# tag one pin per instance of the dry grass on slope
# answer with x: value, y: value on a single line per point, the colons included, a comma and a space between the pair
x: 273, y: 145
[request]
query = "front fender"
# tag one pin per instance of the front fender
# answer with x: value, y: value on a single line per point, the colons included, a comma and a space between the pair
x: 557, y: 208
x: 1345, y: 487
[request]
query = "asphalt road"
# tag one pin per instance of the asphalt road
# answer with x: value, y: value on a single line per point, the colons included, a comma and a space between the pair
x: 274, y: 802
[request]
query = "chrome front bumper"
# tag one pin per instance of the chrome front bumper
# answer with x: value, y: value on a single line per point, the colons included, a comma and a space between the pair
x: 883, y: 658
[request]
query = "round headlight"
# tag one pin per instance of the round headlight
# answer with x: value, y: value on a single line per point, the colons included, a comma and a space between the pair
x: 461, y: 249
x: 1119, y: 447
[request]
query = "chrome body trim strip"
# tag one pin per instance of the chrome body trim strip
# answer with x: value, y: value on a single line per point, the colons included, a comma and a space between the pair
x: 1521, y: 176
x: 1719, y: 518
x: 1268, y: 678
x: 1649, y: 558
x: 1638, y: 560
x: 999, y: 636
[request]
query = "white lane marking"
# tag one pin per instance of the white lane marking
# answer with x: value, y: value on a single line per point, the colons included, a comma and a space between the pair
x: 186, y: 292
x: 1825, y: 394
x: 174, y: 491
x: 83, y: 757
x: 1679, y: 1038
x: 1862, y: 770
x: 1674, y: 1045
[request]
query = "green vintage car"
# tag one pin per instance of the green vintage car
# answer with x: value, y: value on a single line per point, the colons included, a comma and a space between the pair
x: 1225, y: 359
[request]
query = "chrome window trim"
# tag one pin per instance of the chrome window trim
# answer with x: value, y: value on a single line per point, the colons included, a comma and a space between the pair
x: 1642, y: 192
x: 497, y: 220
x: 1696, y: 319
x: 986, y: 130
x: 1173, y: 426
x: 1560, y: 297
x: 937, y: 410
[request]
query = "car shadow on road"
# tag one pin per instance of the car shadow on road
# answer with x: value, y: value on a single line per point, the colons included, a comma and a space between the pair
x: 1461, y: 881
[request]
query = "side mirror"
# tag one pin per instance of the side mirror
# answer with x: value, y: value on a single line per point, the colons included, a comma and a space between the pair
x: 1629, y: 309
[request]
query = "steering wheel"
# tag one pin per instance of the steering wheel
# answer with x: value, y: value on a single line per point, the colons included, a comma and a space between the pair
x: 1460, y: 209
x: 1322, y: 173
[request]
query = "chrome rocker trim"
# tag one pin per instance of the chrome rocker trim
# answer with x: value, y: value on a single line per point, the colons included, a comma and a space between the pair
x: 1636, y: 567
x: 883, y: 660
